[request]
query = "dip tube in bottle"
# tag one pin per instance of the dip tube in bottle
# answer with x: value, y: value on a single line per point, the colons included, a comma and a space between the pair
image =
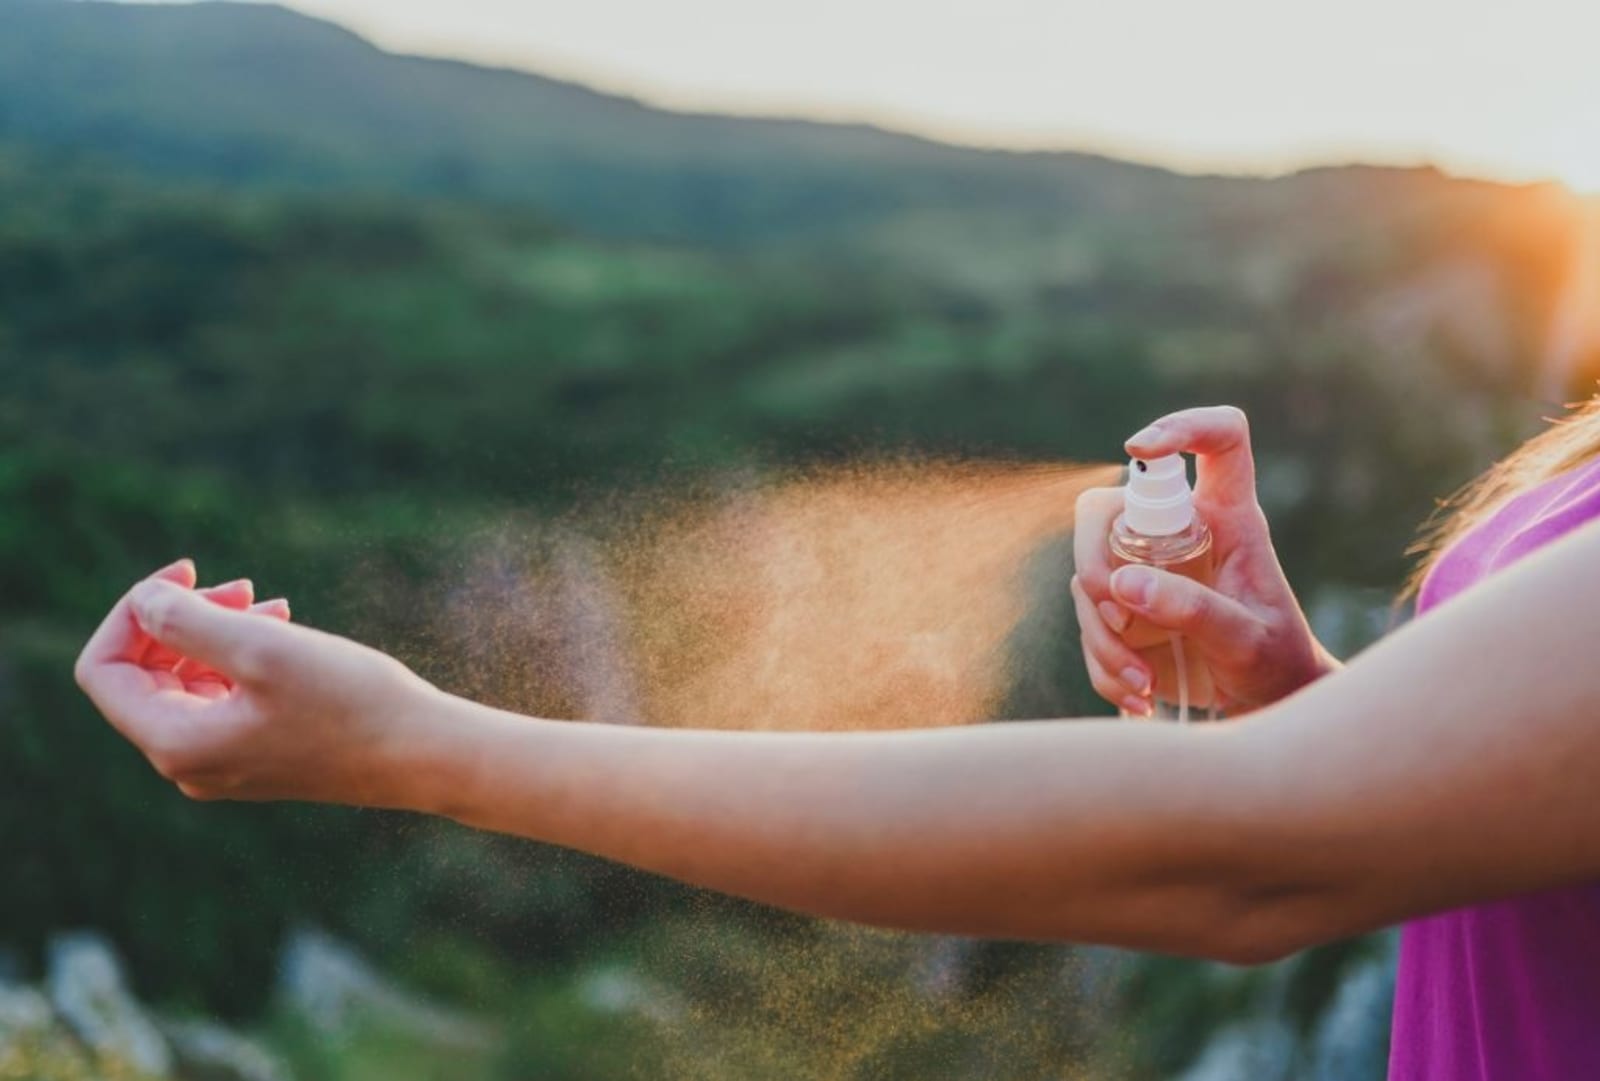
x: 1158, y: 527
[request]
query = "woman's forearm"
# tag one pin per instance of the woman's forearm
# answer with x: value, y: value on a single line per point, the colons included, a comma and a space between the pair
x: 1451, y: 763
x: 1105, y: 831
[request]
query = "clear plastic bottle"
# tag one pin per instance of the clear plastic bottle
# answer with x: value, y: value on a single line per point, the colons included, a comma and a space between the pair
x: 1160, y: 528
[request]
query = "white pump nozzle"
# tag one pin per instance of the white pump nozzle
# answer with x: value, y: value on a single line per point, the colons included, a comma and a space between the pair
x: 1157, y: 501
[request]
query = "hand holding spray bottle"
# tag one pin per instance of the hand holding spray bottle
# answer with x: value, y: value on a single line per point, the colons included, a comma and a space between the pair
x: 1159, y: 527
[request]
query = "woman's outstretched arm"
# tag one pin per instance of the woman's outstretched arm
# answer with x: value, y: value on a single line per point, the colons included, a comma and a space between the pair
x: 1453, y: 762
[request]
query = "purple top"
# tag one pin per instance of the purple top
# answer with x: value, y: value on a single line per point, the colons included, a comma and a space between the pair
x: 1508, y: 991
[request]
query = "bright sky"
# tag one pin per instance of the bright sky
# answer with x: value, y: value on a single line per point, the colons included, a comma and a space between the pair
x: 1496, y: 88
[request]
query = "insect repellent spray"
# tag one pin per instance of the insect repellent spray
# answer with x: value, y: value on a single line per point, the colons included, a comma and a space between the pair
x: 1159, y: 527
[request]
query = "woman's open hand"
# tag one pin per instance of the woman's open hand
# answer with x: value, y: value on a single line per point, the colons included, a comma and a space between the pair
x: 1249, y: 629
x: 228, y: 700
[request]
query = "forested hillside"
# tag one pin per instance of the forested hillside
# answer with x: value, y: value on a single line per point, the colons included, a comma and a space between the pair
x: 254, y: 93
x: 331, y: 317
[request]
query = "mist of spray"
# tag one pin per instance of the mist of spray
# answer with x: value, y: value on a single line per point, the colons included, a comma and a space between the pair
x: 877, y: 595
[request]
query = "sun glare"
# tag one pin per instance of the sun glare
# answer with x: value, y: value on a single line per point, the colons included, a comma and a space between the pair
x: 1583, y: 177
x: 1570, y: 153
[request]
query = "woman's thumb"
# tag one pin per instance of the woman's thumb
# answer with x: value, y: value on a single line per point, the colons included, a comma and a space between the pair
x: 187, y: 623
x: 1176, y: 603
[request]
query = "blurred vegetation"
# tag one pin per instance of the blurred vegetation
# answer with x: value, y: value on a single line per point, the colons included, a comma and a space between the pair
x: 325, y: 340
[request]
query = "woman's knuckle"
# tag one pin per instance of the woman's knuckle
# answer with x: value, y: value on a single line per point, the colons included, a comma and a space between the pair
x: 260, y: 661
x: 1255, y: 643
x: 158, y: 620
x: 1093, y: 582
x: 1096, y: 502
x: 1193, y: 609
x: 170, y: 764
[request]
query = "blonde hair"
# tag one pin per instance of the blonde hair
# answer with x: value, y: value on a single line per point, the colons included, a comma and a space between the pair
x: 1568, y: 442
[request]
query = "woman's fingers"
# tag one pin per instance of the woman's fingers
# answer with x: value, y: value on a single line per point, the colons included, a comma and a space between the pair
x: 1223, y: 628
x: 1111, y: 690
x: 108, y: 670
x: 119, y: 638
x: 147, y: 705
x: 1219, y: 437
x: 1115, y: 616
x: 231, y: 642
x: 232, y: 653
x: 1097, y: 509
x: 208, y: 682
x: 1117, y: 673
x: 276, y: 608
x: 237, y: 594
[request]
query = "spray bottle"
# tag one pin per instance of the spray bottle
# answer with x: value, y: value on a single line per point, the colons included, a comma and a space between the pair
x: 1158, y: 527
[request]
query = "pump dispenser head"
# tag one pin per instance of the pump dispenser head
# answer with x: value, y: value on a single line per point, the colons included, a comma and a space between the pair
x: 1157, y: 501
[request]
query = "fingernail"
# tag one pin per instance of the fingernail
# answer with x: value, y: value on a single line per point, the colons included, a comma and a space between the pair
x: 238, y: 583
x: 1134, y: 585
x: 1136, y: 707
x: 1114, y: 614
x: 1147, y: 434
x: 1135, y: 678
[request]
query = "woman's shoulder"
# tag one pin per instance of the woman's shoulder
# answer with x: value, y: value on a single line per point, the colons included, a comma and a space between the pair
x: 1557, y: 506
x: 1526, y: 522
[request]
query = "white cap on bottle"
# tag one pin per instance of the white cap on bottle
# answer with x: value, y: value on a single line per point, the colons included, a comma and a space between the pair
x: 1157, y: 501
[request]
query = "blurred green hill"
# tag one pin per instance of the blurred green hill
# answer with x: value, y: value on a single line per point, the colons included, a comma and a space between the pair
x: 256, y: 93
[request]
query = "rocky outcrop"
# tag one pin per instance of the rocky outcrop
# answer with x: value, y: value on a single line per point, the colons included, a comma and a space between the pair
x: 614, y: 990
x: 86, y: 987
x: 207, y: 1051
x: 1352, y: 1037
x: 1348, y: 1041
x: 25, y: 1018
x: 335, y: 988
x: 87, y: 1023
x: 33, y: 1042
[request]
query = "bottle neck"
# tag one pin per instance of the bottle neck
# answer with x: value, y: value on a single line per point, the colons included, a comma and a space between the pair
x: 1159, y: 550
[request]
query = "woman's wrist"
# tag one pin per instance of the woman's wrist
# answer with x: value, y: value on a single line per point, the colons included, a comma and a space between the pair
x: 1320, y: 663
x: 1292, y: 671
x: 423, y: 760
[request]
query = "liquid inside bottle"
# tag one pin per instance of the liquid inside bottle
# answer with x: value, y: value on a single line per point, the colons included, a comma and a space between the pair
x: 1187, y: 552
